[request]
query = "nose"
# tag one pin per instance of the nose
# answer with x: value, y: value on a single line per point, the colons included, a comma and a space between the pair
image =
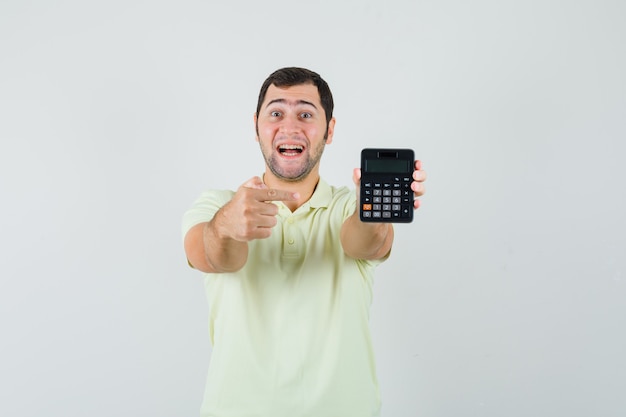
x: 290, y: 124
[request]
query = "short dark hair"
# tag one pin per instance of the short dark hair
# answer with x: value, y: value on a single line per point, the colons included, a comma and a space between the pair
x: 290, y: 76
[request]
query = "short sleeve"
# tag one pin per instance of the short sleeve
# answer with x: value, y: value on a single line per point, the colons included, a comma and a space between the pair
x: 204, y: 208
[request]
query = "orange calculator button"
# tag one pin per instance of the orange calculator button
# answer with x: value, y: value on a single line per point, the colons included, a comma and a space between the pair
x: 367, y: 206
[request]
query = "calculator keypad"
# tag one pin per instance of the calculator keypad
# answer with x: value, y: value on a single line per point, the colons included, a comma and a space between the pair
x: 387, y: 199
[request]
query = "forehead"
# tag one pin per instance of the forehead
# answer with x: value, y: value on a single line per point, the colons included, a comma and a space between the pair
x: 293, y: 95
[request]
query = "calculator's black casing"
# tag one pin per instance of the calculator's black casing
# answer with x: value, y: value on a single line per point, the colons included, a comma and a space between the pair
x: 386, y: 169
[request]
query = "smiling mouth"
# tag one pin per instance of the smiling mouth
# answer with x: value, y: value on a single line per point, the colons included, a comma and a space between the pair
x: 290, y: 150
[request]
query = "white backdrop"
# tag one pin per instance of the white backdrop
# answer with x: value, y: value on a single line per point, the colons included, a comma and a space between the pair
x: 505, y: 297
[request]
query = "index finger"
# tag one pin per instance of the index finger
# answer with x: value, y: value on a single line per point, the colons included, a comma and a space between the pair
x: 419, y: 174
x: 272, y: 194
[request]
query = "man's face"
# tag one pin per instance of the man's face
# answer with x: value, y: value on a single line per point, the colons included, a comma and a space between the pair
x: 292, y: 131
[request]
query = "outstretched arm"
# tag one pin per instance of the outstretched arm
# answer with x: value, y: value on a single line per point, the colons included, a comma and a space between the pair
x: 371, y: 241
x: 362, y: 240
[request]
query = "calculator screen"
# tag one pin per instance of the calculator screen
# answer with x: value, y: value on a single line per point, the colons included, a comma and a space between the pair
x: 386, y: 165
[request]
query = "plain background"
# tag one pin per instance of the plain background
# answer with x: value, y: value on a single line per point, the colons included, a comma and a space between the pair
x: 505, y: 297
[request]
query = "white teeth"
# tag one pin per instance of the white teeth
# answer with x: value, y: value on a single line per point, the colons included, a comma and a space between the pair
x: 291, y: 149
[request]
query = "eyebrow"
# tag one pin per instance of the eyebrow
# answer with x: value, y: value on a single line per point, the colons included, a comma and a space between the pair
x: 291, y: 103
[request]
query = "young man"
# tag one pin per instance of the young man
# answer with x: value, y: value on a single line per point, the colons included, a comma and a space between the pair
x: 289, y: 270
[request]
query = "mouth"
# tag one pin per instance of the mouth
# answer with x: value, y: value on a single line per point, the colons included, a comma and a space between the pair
x: 290, y: 150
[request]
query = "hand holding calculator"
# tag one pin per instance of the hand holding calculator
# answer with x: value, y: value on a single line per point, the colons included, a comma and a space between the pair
x: 386, y: 177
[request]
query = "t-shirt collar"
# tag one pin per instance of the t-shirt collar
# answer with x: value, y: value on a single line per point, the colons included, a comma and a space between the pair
x: 321, y: 196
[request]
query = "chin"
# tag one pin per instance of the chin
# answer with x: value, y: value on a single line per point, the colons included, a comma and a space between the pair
x: 289, y: 176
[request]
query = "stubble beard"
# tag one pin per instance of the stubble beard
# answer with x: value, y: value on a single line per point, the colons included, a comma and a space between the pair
x: 295, y: 174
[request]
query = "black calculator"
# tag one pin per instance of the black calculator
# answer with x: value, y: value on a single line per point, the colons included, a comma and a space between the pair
x: 386, y: 176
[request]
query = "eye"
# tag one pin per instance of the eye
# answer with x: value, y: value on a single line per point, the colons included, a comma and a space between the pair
x: 306, y: 115
x: 275, y: 114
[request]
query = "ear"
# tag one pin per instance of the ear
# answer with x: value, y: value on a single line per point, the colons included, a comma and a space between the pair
x: 256, y: 126
x: 331, y: 131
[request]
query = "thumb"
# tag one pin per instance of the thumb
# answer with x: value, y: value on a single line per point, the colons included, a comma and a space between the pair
x: 255, y: 182
x: 356, y: 176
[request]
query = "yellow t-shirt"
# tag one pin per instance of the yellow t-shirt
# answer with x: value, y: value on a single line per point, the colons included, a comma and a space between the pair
x: 290, y: 330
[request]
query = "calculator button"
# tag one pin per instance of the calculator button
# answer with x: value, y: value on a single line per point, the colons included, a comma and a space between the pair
x: 387, y: 198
